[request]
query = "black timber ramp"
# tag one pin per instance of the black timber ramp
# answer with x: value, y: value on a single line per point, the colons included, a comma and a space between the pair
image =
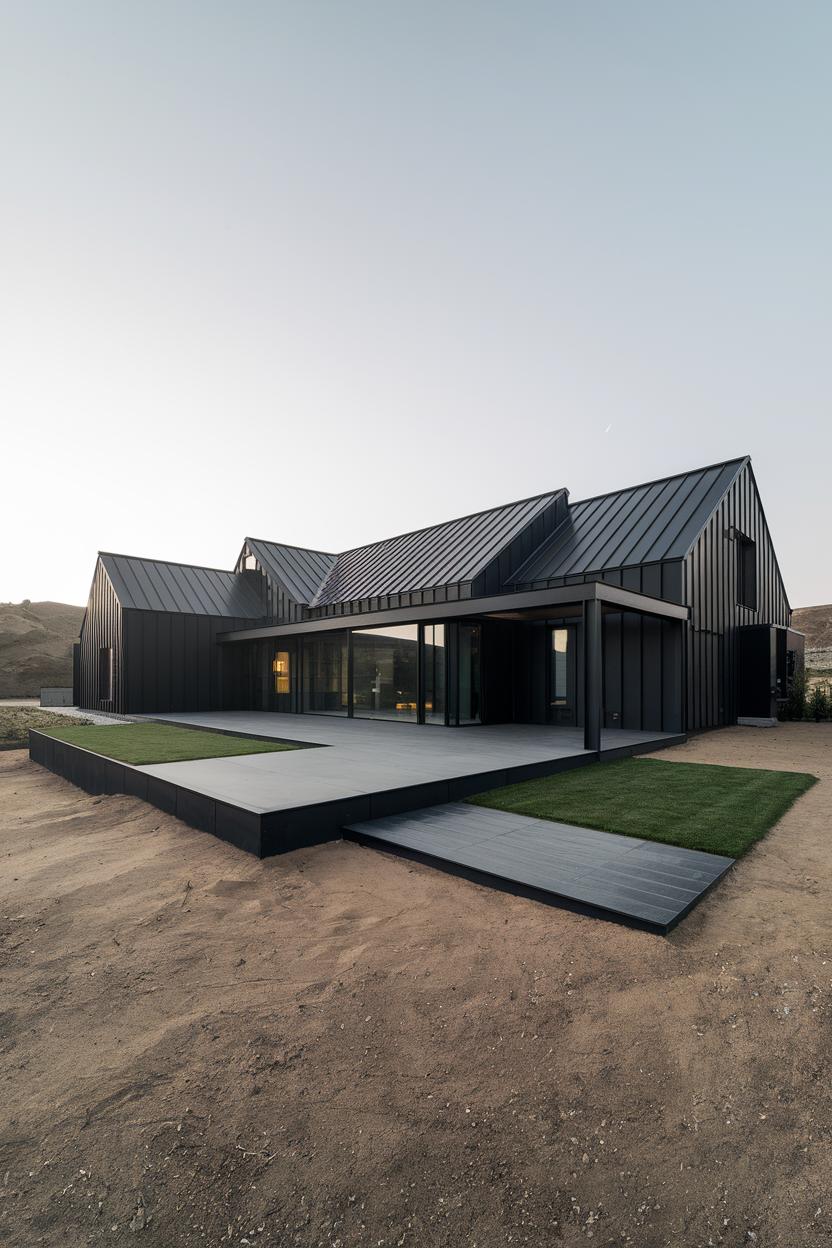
x: 641, y: 883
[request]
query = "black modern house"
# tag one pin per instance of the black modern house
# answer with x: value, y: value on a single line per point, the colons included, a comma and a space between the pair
x: 658, y: 607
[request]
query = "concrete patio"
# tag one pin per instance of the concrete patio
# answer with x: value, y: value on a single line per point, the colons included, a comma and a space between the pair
x: 401, y: 785
x: 367, y: 758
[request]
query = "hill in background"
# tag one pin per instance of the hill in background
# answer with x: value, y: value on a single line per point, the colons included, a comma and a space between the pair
x: 36, y: 646
x: 816, y: 623
x: 36, y: 643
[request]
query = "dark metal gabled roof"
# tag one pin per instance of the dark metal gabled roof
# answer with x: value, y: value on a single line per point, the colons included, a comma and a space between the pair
x: 156, y: 585
x: 645, y: 524
x: 442, y: 554
x: 300, y: 571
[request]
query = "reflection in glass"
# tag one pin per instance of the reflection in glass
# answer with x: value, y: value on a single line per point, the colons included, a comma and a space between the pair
x: 560, y: 666
x: 433, y: 658
x: 325, y: 674
x: 469, y: 674
x: 385, y: 666
x: 562, y: 708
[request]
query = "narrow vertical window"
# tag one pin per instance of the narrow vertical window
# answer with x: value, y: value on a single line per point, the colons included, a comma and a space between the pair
x: 560, y: 666
x: 105, y: 674
x: 280, y: 670
x: 746, y: 572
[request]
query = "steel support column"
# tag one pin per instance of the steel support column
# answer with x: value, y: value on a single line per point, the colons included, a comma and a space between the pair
x: 593, y: 677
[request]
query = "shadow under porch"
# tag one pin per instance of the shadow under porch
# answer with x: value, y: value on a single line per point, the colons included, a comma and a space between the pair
x: 537, y: 670
x: 586, y: 665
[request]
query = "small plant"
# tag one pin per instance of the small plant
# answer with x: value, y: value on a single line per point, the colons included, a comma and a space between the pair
x: 795, y: 706
x: 819, y: 704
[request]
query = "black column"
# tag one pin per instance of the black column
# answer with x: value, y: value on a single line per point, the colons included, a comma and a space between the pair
x: 593, y: 681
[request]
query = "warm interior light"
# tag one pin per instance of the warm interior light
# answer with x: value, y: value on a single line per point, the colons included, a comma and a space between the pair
x: 280, y: 669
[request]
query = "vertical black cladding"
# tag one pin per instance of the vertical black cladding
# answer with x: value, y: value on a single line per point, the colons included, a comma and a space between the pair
x: 76, y: 673
x: 174, y: 662
x: 733, y: 558
x: 498, y: 676
x: 101, y: 630
x: 643, y: 687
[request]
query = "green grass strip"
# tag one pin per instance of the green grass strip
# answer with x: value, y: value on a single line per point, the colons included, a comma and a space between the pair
x: 161, y: 743
x: 721, y: 810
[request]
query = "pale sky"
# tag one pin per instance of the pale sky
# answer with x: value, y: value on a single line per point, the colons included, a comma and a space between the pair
x: 321, y: 272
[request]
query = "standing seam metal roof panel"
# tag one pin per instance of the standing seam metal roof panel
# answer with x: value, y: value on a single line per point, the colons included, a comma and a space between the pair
x: 156, y: 585
x: 673, y: 516
x: 439, y: 555
x: 645, y: 524
x: 299, y: 570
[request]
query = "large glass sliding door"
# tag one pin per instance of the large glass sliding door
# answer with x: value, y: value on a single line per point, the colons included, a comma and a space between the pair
x: 469, y: 682
x: 325, y: 687
x: 385, y: 666
x: 434, y: 667
x: 426, y: 673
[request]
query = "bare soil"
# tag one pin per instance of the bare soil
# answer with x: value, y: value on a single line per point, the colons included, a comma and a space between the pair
x: 341, y: 1047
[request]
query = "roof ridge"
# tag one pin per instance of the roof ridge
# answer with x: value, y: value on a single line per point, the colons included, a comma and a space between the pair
x: 673, y: 476
x: 174, y: 563
x: 310, y: 550
x: 532, y: 498
x: 632, y: 526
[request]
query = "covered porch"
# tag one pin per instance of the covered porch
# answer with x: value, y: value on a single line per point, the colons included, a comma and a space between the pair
x: 590, y: 658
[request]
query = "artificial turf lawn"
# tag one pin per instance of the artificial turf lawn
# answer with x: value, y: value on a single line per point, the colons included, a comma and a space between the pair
x: 721, y: 810
x: 160, y: 743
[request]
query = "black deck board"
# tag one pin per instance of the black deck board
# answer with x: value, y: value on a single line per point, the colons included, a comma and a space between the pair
x: 643, y: 882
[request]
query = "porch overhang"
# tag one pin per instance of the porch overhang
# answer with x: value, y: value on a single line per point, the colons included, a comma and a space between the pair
x: 611, y: 597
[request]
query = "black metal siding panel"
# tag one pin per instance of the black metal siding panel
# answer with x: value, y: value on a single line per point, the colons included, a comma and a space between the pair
x: 173, y: 662
x: 612, y: 670
x: 651, y: 674
x: 631, y: 708
x: 672, y: 681
x: 101, y: 629
x: 711, y: 592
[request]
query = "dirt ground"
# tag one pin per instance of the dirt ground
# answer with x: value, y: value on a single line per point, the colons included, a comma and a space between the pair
x: 339, y: 1047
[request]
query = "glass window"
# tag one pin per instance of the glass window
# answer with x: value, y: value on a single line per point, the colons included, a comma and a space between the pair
x: 105, y: 674
x: 282, y: 699
x: 562, y: 706
x: 433, y: 659
x: 385, y: 666
x: 469, y: 674
x: 280, y: 671
x: 747, y: 573
x: 325, y: 674
x: 560, y: 666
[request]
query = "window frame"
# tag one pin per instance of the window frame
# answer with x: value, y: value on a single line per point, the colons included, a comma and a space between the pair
x: 105, y: 687
x: 746, y: 572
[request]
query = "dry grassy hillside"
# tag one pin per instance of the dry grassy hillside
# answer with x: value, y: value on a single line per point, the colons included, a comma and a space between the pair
x: 36, y: 646
x: 816, y: 623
